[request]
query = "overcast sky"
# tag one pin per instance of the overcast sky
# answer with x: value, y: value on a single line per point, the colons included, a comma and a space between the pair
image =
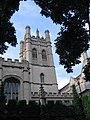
x: 29, y: 14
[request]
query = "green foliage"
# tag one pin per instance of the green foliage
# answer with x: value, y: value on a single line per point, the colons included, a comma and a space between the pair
x: 2, y: 101
x: 59, y: 111
x: 71, y: 43
x: 22, y: 103
x: 2, y: 98
x: 52, y: 111
x: 86, y: 104
x: 22, y: 106
x: 60, y: 10
x: 34, y: 111
x: 44, y: 115
x: 7, y: 30
x: 76, y: 99
x: 73, y: 37
x: 35, y: 108
x: 78, y: 105
x: 50, y: 104
x: 87, y: 71
x: 11, y: 107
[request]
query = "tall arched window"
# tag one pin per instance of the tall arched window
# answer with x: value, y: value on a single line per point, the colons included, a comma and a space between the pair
x: 34, y: 54
x: 42, y: 78
x: 44, y: 57
x: 11, y: 88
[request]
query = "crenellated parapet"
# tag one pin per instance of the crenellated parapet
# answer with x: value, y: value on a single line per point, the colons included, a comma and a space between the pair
x: 9, y: 60
x: 13, y: 63
x: 65, y: 98
x: 50, y: 94
x: 37, y: 36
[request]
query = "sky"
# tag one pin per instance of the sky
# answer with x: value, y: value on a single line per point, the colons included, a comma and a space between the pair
x: 29, y: 14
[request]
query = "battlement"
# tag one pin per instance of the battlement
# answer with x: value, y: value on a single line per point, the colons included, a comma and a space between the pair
x: 65, y: 98
x: 37, y: 36
x: 42, y: 39
x: 50, y: 94
x: 9, y: 60
x: 13, y: 63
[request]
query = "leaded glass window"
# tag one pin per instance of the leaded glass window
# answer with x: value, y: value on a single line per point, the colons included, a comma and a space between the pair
x: 11, y: 88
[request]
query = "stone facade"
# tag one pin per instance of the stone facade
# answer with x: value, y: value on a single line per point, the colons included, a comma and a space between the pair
x: 20, y: 71
x: 34, y: 76
x: 82, y: 86
x: 37, y: 51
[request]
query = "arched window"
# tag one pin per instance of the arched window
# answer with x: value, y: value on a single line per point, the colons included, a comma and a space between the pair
x: 44, y: 57
x: 11, y: 88
x: 34, y: 53
x: 42, y: 78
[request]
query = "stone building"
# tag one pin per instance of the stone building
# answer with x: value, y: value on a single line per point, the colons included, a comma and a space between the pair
x: 33, y: 77
x: 82, y: 86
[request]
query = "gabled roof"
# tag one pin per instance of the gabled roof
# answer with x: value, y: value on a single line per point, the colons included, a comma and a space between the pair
x: 64, y: 88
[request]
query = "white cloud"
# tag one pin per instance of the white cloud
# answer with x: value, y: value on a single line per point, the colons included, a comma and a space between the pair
x: 12, y: 52
x: 29, y: 9
x: 62, y: 82
x: 59, y: 68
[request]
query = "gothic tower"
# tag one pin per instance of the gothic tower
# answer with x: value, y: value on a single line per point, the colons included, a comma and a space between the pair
x: 85, y: 58
x: 38, y: 52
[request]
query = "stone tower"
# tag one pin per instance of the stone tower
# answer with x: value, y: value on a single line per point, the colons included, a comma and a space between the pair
x: 85, y: 58
x: 38, y: 52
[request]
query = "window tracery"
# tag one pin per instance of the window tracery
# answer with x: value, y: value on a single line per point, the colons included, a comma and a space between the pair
x: 11, y: 88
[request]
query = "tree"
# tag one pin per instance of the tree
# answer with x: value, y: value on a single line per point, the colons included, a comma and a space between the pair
x: 2, y: 99
x: 77, y: 105
x: 7, y: 30
x: 73, y: 38
x: 86, y: 103
x: 59, y: 111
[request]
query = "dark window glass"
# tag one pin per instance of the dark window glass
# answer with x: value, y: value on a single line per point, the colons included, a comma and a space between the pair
x: 42, y: 77
x: 44, y: 57
x: 11, y: 88
x: 34, y: 54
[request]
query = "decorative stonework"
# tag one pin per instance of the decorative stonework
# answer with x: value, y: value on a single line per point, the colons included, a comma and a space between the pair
x: 28, y: 70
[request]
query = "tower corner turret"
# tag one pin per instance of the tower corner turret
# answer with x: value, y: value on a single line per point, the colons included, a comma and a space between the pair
x: 28, y: 34
x: 47, y: 35
x: 37, y: 34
